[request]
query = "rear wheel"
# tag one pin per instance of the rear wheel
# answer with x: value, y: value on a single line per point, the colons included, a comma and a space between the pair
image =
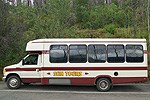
x: 103, y: 84
x: 13, y: 82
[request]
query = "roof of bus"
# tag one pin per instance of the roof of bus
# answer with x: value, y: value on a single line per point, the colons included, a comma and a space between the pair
x: 84, y: 39
x: 37, y: 45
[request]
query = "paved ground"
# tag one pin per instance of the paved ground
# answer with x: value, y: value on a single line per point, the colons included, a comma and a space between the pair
x: 40, y: 92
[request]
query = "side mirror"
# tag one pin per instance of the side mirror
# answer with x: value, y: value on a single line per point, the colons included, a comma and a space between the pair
x: 22, y: 61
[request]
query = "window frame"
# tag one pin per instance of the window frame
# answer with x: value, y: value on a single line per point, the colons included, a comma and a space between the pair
x: 134, y: 45
x: 97, y: 45
x: 77, y: 45
x: 123, y: 50
x: 58, y: 45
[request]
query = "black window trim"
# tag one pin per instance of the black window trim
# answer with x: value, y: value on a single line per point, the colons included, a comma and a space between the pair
x: 87, y: 48
x: 134, y: 45
x: 77, y: 45
x: 123, y: 50
x: 88, y: 53
x: 59, y: 45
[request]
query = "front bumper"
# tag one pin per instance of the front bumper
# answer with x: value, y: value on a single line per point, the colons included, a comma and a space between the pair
x: 3, y: 79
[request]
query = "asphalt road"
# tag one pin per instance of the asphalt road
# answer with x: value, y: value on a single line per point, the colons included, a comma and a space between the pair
x: 138, y: 91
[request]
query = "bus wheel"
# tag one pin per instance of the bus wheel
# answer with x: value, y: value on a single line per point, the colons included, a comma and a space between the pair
x: 103, y: 84
x: 13, y: 82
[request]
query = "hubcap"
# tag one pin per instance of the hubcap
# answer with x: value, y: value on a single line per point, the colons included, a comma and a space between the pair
x: 13, y: 82
x: 103, y: 84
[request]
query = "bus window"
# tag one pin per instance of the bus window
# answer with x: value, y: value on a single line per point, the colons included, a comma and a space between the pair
x: 134, y: 53
x: 58, y: 53
x: 115, y: 53
x: 77, y: 53
x: 96, y: 53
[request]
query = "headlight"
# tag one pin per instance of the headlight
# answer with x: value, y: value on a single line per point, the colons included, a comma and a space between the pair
x: 4, y: 71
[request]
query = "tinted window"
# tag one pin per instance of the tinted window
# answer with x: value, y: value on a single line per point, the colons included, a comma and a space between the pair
x: 32, y: 59
x: 77, y: 54
x: 134, y: 53
x: 58, y: 53
x: 96, y: 53
x: 115, y: 53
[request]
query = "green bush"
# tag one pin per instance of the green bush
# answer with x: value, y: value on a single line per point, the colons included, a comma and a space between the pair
x: 111, y: 28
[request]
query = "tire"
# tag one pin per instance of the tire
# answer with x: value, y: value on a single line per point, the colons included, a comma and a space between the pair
x: 103, y: 85
x: 13, y: 82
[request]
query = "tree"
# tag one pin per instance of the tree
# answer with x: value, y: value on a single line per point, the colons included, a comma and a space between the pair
x: 9, y: 37
x: 5, y: 29
x: 136, y: 11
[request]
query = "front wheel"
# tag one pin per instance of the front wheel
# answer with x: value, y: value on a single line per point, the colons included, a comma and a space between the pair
x: 13, y: 82
x: 103, y: 84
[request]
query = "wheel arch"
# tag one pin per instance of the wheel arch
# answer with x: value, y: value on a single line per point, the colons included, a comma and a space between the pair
x: 12, y: 74
x: 103, y: 76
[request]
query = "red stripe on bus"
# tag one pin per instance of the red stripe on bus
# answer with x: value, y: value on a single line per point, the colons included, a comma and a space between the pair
x: 76, y: 68
x: 31, y: 80
x: 115, y: 80
x: 94, y: 68
x: 21, y: 69
x: 40, y: 52
x: 145, y: 52
x: 86, y: 81
x: 120, y: 80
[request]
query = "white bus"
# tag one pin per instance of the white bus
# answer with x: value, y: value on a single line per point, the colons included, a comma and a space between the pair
x: 100, y: 62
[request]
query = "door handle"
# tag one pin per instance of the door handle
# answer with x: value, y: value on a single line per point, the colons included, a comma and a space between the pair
x: 37, y: 70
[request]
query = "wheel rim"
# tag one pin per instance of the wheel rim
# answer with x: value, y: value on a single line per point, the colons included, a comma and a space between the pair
x: 13, y: 82
x: 103, y: 85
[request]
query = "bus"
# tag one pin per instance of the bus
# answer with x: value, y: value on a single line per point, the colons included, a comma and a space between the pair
x: 99, y: 62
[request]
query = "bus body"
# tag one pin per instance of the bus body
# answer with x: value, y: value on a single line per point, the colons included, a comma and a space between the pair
x: 100, y: 62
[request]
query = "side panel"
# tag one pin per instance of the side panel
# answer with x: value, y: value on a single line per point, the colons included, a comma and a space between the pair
x: 126, y: 72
